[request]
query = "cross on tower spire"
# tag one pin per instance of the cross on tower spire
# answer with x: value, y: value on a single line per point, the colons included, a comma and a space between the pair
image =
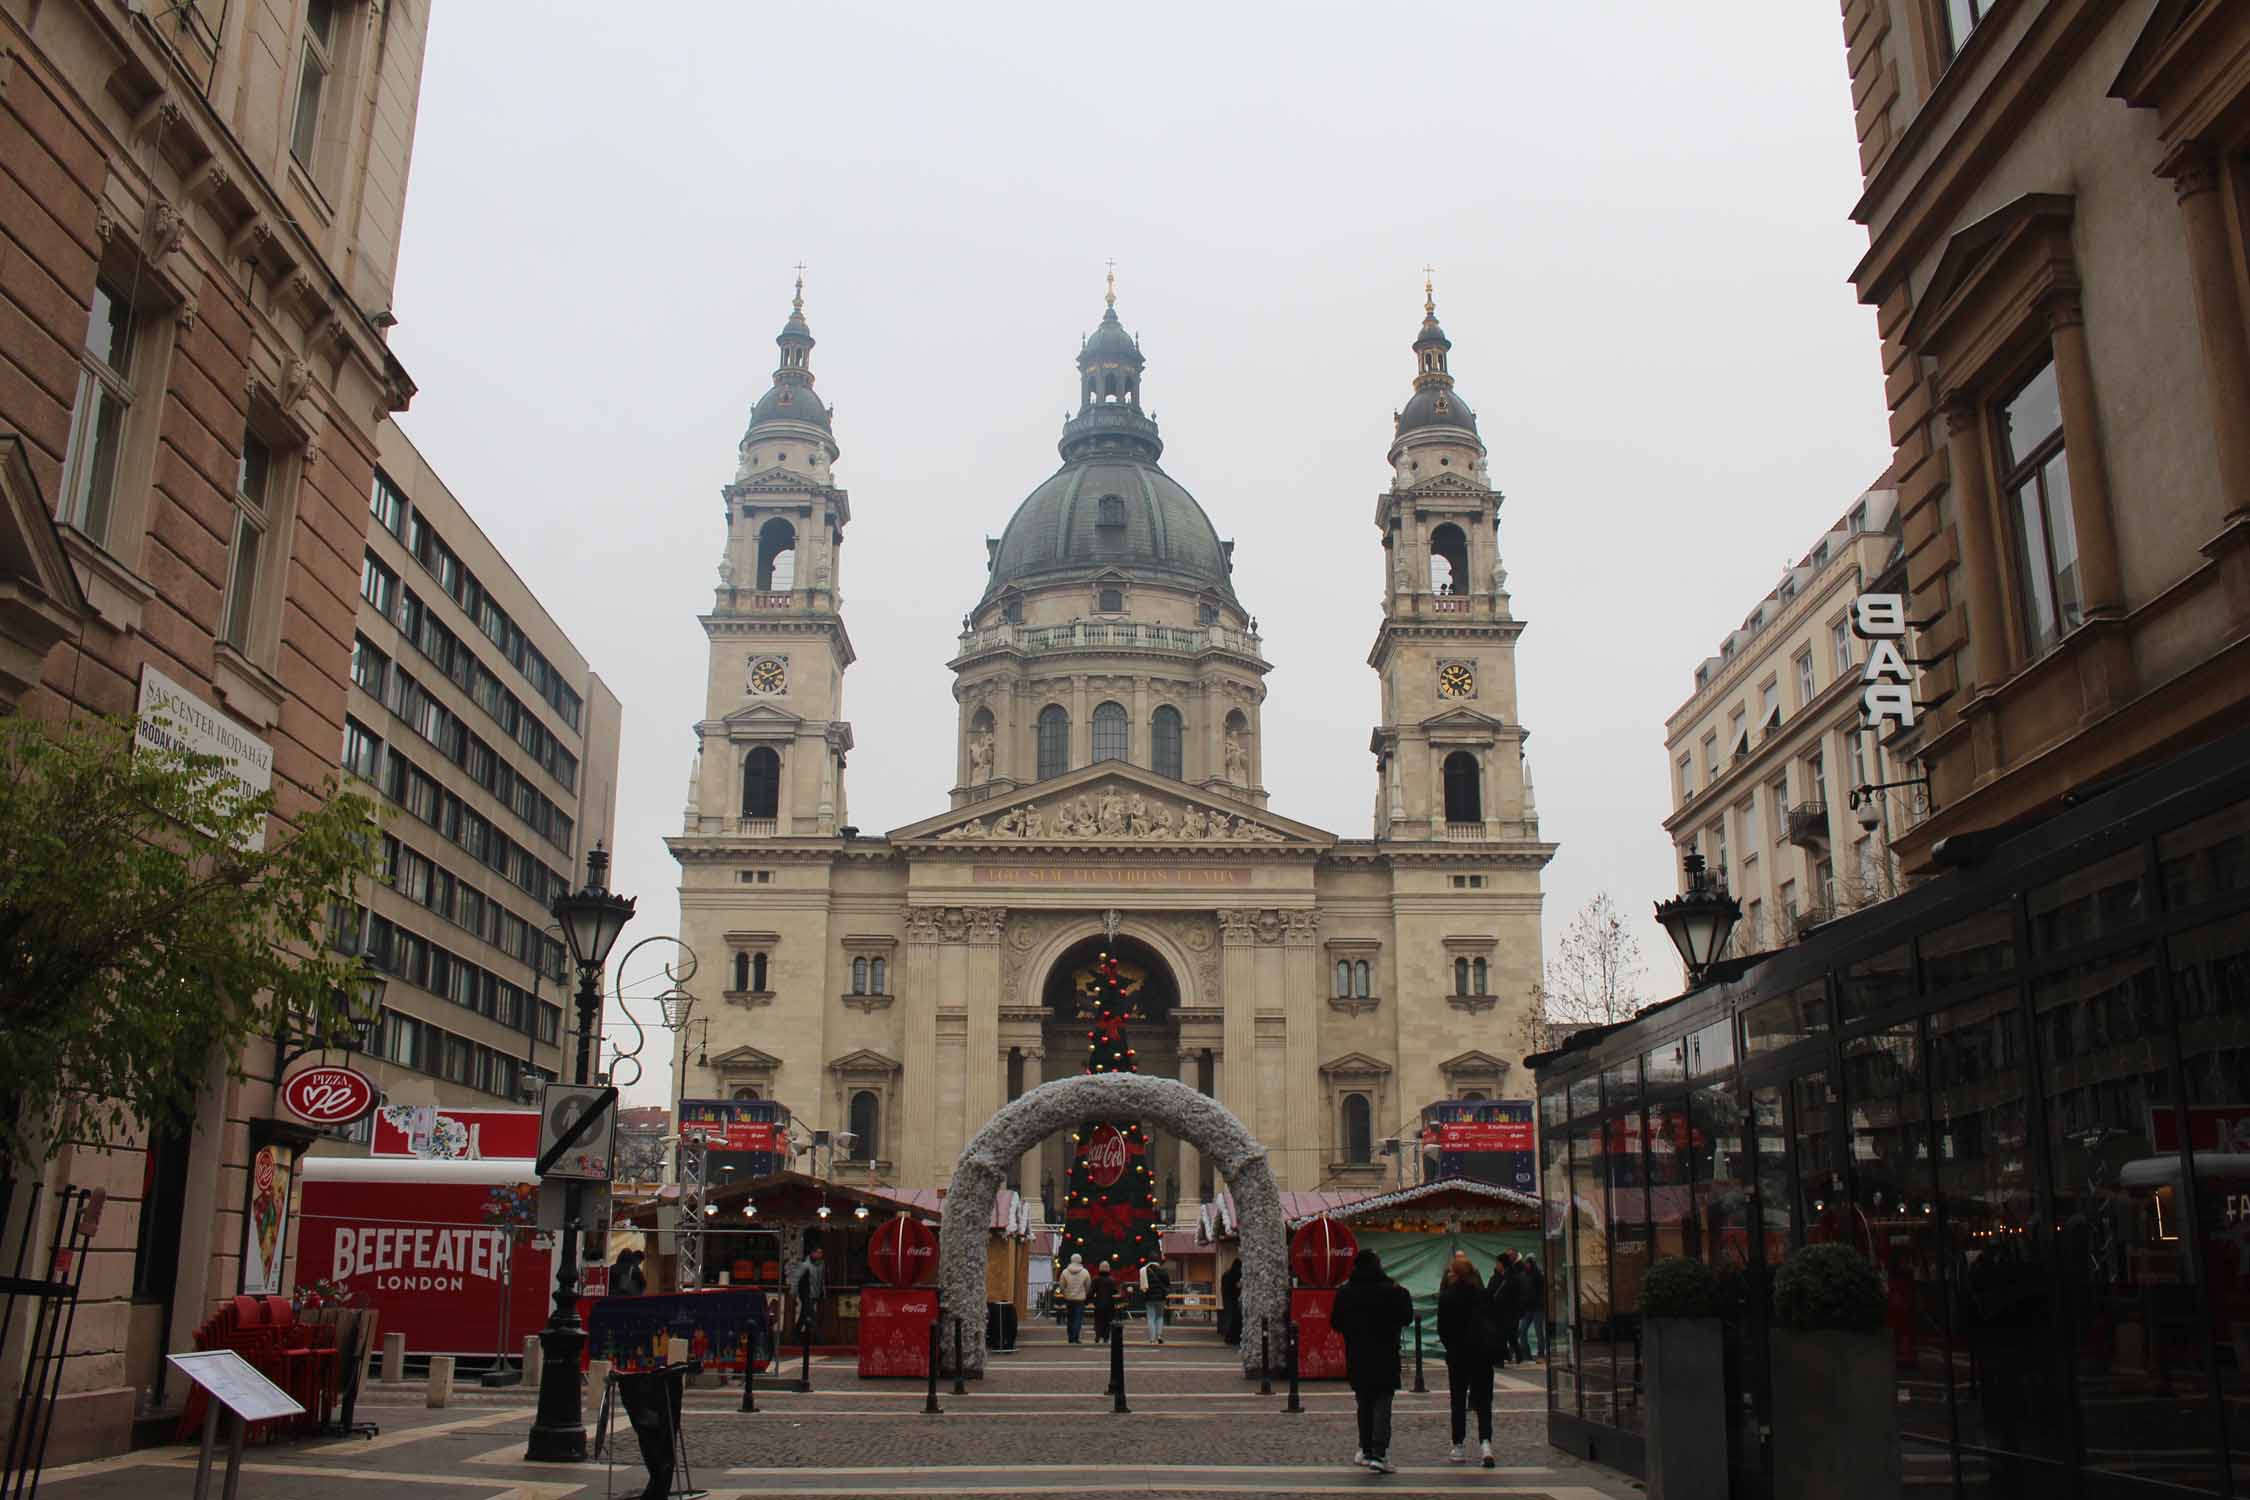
x: 1109, y: 297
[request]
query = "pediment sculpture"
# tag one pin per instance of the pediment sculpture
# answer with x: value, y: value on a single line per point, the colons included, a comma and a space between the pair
x: 1113, y: 816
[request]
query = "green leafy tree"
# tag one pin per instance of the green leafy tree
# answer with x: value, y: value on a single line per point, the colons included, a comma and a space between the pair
x: 145, y: 925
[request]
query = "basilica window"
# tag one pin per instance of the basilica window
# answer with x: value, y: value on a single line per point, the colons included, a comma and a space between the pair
x: 1054, y: 740
x: 1359, y: 977
x: 870, y: 976
x: 1359, y: 1129
x: 1109, y: 510
x: 761, y: 783
x: 1449, y: 560
x: 741, y: 972
x: 777, y: 555
x: 1110, y: 602
x: 1164, y: 741
x: 1464, y: 798
x: 866, y: 1122
x: 746, y: 1094
x: 1470, y: 977
x: 1343, y: 978
x: 1110, y: 732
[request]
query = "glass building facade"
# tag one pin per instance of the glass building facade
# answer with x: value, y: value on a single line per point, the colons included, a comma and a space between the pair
x: 2022, y: 1089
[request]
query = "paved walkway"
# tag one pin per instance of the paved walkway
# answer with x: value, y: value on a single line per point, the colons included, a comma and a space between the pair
x: 1040, y: 1424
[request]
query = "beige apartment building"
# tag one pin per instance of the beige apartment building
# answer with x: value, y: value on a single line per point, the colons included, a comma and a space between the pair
x: 1769, y: 754
x: 494, y: 743
x: 1108, y: 795
x: 200, y: 207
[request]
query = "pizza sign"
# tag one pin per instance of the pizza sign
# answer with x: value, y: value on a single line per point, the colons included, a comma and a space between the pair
x: 1105, y: 1155
x: 329, y: 1096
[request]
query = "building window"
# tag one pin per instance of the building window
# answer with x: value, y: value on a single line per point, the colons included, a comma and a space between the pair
x: 1687, y: 777
x: 1110, y: 732
x: 859, y: 976
x: 1769, y: 705
x: 1804, y: 679
x: 1054, y: 740
x: 387, y: 505
x: 1164, y: 741
x: 761, y: 783
x: 1816, y: 778
x: 1011, y: 612
x: 1111, y: 602
x: 1359, y: 1130
x: 1719, y: 861
x: 1747, y: 810
x: 98, y: 414
x: 2036, y: 483
x: 370, y: 668
x: 1449, y: 560
x: 1461, y: 977
x: 746, y: 1094
x: 254, y: 478
x: 1360, y: 974
x: 1464, y: 799
x: 1343, y: 978
x: 866, y: 1120
x: 741, y: 972
x: 1109, y: 510
x: 1961, y: 18
x: 1840, y: 646
x: 363, y: 752
x: 777, y: 556
x: 758, y: 973
x: 314, y: 71
x: 1738, y: 734
x: 1710, y: 759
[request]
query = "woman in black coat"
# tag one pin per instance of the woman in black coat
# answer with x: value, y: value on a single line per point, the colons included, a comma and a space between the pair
x: 1369, y: 1311
x: 1506, y: 1291
x: 1103, y: 1294
x: 1465, y: 1326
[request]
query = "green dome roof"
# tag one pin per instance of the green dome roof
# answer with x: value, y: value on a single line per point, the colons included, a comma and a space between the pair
x: 1057, y: 535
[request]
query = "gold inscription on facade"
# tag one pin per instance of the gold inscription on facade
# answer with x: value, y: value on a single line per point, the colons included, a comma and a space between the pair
x: 1105, y: 875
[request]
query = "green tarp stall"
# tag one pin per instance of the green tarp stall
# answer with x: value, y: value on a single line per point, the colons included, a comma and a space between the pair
x: 1416, y: 1230
x: 1417, y: 1261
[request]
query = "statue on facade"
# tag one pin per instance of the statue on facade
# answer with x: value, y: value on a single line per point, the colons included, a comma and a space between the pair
x: 726, y: 571
x: 980, y: 756
x: 1237, y: 760
x: 1034, y: 823
x: 1112, y: 816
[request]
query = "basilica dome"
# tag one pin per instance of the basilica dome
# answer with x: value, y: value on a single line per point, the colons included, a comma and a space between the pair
x: 1110, y: 505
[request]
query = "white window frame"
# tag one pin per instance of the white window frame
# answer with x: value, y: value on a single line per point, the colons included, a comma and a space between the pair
x: 99, y: 383
x: 254, y: 521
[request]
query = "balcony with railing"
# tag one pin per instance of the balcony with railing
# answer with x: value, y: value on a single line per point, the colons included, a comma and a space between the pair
x: 1808, y: 825
x: 1469, y: 833
x: 758, y: 828
x: 1110, y: 635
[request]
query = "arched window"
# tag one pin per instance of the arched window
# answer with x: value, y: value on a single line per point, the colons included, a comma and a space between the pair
x: 1164, y: 741
x: 879, y: 977
x: 1476, y: 977
x: 777, y: 555
x: 1464, y: 799
x: 1449, y: 560
x: 741, y: 971
x: 758, y: 972
x: 761, y: 783
x: 1359, y: 978
x: 1110, y: 731
x: 1359, y: 1129
x: 1054, y: 740
x: 1472, y: 1094
x: 1343, y: 978
x: 1461, y: 976
x: 745, y: 1093
x: 859, y: 976
x: 867, y: 1119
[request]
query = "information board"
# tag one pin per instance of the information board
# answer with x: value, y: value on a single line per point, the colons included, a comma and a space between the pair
x: 229, y: 1380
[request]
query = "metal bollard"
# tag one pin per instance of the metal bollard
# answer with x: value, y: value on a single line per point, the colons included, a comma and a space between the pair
x: 1265, y: 1359
x: 749, y: 1371
x: 930, y: 1408
x: 804, y: 1379
x: 1295, y: 1405
x: 960, y: 1371
x: 533, y: 1360
x: 1117, y: 1366
x: 1419, y: 1388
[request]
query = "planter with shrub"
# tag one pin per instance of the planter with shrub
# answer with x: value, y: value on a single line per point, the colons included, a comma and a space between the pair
x: 1684, y: 1364
x: 1835, y: 1405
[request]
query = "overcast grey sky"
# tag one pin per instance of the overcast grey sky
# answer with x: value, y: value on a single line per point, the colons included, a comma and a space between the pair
x: 1637, y: 215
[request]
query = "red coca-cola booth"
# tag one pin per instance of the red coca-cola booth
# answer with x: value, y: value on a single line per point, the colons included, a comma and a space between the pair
x: 895, y: 1318
x: 1320, y: 1258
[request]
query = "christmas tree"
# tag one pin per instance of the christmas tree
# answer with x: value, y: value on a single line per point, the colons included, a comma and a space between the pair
x: 1111, y: 1211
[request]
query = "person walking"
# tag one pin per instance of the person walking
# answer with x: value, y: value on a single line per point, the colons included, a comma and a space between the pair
x: 1104, y: 1295
x: 1230, y: 1304
x: 1516, y: 1295
x: 1369, y: 1310
x: 808, y: 1286
x: 1468, y: 1329
x: 1156, y: 1285
x: 1534, y: 1310
x: 1506, y: 1295
x: 1071, y: 1287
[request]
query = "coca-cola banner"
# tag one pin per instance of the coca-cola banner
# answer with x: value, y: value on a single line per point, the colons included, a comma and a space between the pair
x: 1105, y: 1155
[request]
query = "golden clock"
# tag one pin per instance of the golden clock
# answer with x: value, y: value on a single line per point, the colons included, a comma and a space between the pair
x: 1456, y: 680
x: 768, y: 676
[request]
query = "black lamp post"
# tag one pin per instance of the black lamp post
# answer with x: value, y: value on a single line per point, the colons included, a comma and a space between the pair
x: 591, y: 921
x: 1699, y: 920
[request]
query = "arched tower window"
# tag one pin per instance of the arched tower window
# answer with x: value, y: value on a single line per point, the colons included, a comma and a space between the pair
x: 1461, y: 977
x: 758, y: 973
x: 1110, y: 734
x: 1449, y: 560
x: 1464, y: 799
x: 1359, y: 1129
x: 1054, y: 740
x: 1164, y: 741
x: 741, y: 971
x: 1343, y: 978
x: 859, y: 976
x: 745, y: 1093
x: 1477, y: 978
x: 761, y: 783
x: 878, y: 977
x: 866, y: 1120
x: 777, y: 555
x: 1359, y: 978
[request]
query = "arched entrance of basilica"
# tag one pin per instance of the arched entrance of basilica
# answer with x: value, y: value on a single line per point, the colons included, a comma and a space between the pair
x: 1161, y: 1103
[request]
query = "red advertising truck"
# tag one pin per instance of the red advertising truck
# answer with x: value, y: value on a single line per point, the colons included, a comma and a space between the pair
x: 444, y: 1249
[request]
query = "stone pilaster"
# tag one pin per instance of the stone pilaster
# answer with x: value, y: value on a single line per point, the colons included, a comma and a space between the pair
x: 917, y: 999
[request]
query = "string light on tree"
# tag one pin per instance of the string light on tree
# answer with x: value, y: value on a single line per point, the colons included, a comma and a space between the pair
x: 1111, y: 1204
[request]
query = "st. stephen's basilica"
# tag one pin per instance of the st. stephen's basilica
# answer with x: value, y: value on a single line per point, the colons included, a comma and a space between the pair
x: 1109, y: 793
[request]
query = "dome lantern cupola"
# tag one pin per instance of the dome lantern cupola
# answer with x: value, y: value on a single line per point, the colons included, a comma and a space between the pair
x: 1110, y: 419
x: 791, y: 400
x: 1435, y: 403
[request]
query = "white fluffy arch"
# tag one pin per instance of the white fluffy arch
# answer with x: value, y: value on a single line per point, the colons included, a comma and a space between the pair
x: 1194, y: 1117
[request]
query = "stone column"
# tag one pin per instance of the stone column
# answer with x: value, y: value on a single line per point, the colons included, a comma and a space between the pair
x: 987, y: 1083
x: 1191, y: 1164
x: 1238, y: 995
x: 2101, y: 588
x: 1991, y: 631
x: 917, y: 1001
x: 2226, y: 344
x: 1140, y: 744
x: 1081, y: 725
x: 1032, y: 1159
x: 1301, y: 1002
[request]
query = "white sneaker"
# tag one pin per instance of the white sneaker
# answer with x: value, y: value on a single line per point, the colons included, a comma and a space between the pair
x: 1485, y: 1450
x: 1383, y: 1465
x: 1359, y: 1456
x: 1459, y: 1455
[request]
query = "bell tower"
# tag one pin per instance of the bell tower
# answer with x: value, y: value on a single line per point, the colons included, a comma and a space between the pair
x: 1449, y: 751
x: 772, y: 743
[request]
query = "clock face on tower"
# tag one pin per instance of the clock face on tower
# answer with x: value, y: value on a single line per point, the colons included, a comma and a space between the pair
x: 1456, y: 679
x: 768, y: 674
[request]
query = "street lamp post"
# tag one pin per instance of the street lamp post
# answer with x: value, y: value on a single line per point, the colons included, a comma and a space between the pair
x: 1699, y: 920
x: 591, y: 921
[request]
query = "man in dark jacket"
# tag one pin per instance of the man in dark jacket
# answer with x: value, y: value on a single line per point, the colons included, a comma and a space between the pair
x: 1370, y: 1310
x: 1534, y: 1311
x: 1506, y: 1293
x: 1230, y: 1304
x: 1103, y: 1294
